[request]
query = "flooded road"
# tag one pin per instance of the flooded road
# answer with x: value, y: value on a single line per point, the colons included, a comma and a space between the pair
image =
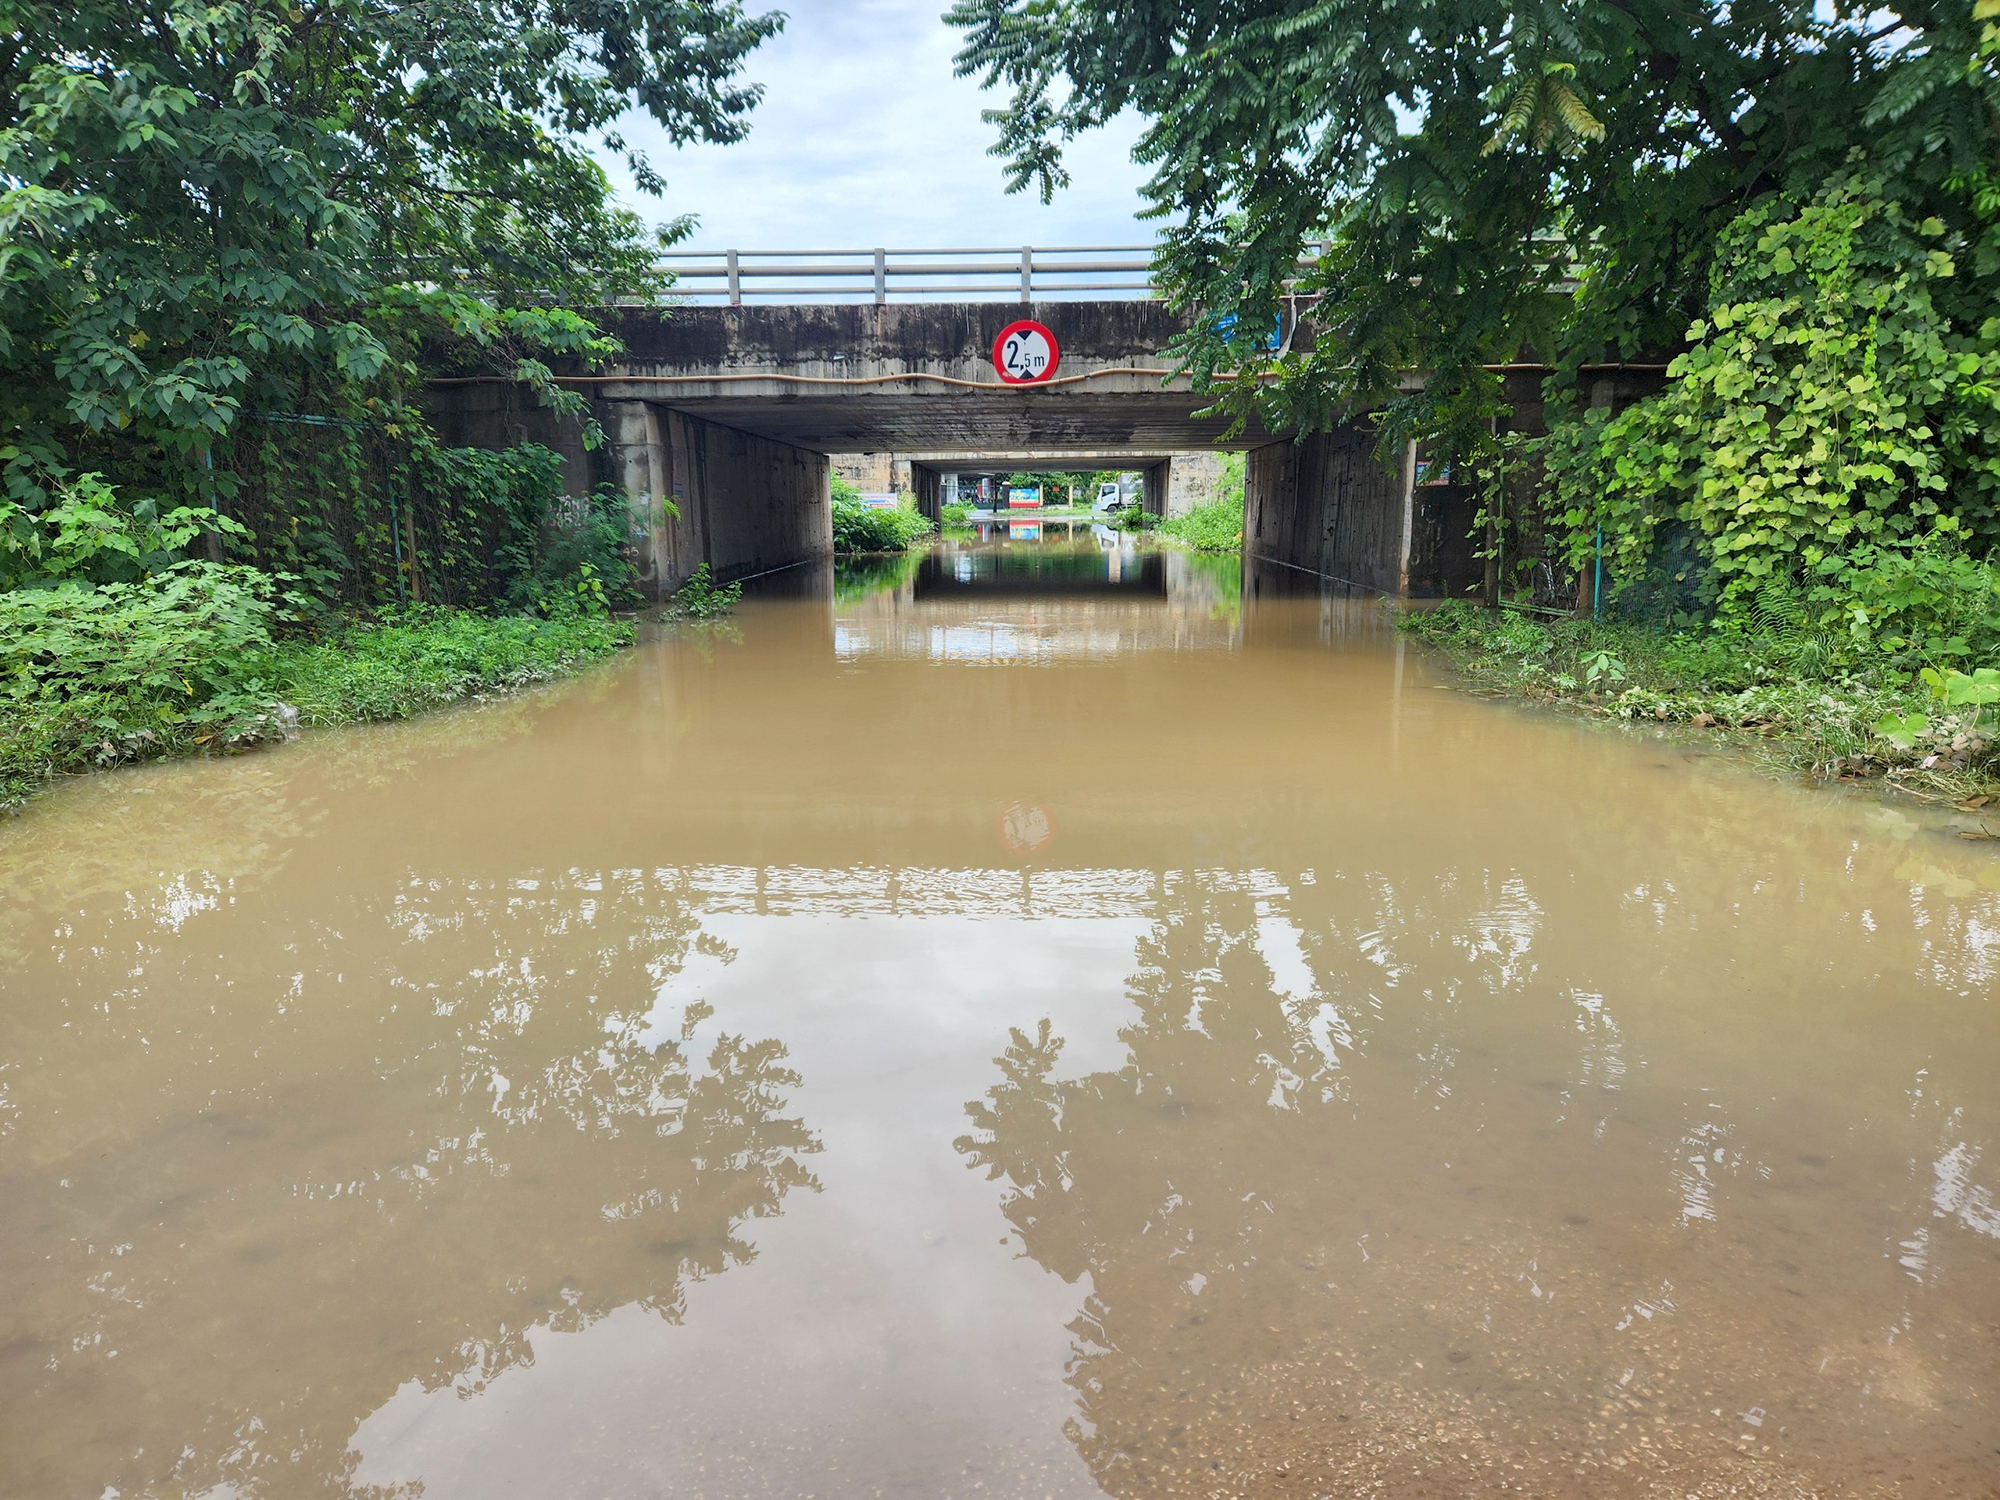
x: 1042, y: 1028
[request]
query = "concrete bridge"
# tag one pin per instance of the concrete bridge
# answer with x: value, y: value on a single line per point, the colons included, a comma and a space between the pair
x: 722, y: 421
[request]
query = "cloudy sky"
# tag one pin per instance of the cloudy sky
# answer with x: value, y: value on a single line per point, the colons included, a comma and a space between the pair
x: 864, y: 138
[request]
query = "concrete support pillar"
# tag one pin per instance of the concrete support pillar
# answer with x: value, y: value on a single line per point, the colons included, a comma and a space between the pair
x: 636, y: 454
x: 1158, y: 493
x: 702, y: 493
x: 927, y: 488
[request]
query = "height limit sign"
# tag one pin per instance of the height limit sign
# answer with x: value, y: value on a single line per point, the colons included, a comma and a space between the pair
x: 1025, y: 353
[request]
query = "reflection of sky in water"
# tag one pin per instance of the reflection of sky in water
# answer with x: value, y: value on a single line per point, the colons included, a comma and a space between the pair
x: 890, y: 1285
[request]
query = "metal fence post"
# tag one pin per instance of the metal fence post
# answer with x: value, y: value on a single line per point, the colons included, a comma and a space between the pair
x: 881, y: 275
x: 1027, y: 273
x: 735, y: 282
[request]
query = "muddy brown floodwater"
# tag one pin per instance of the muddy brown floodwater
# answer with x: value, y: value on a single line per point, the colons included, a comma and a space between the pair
x: 1051, y: 1025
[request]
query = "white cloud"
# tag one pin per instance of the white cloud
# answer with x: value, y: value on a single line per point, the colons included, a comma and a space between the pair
x: 864, y: 138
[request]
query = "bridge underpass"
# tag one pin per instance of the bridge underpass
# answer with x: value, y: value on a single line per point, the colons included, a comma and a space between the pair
x: 721, y: 421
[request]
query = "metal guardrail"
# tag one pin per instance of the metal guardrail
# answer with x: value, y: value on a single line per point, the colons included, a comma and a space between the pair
x: 1027, y: 273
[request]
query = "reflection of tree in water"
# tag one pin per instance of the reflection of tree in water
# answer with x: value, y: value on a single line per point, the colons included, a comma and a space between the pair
x: 403, y: 1175
x: 1434, y: 1189
x: 1159, y: 1180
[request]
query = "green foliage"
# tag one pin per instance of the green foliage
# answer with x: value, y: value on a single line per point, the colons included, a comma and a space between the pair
x: 702, y: 599
x: 1829, y: 420
x: 421, y: 658
x: 1976, y: 688
x: 1902, y: 730
x: 92, y: 675
x: 218, y: 216
x: 1136, y: 517
x: 1742, y: 678
x: 955, y: 515
x: 187, y: 660
x: 859, y: 527
x: 86, y: 536
x: 1232, y: 477
x: 566, y: 548
x: 1472, y: 183
x: 1602, y: 666
x: 1215, y: 527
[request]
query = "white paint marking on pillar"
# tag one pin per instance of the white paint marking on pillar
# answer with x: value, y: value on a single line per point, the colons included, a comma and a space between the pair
x: 1409, y: 519
x: 881, y: 275
x: 735, y: 281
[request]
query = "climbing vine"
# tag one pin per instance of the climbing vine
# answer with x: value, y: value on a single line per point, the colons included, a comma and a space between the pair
x: 1829, y: 414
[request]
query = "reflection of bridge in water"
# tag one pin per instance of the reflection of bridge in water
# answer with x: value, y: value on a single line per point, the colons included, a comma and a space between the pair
x: 925, y: 891
x: 1042, y: 571
x: 1087, y: 602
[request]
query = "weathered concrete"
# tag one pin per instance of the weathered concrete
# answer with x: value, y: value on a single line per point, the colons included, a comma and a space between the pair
x: 730, y: 412
x: 927, y: 489
x: 1195, y: 479
x: 915, y: 377
x: 704, y: 493
x: 505, y: 414
x: 1329, y: 505
x: 872, y: 473
x: 745, y: 504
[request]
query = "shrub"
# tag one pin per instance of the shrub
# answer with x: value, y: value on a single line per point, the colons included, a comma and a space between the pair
x: 1217, y: 527
x: 1830, y: 428
x: 576, y: 542
x: 96, y: 675
x: 703, y: 599
x: 859, y: 527
x: 88, y: 536
x: 186, y: 660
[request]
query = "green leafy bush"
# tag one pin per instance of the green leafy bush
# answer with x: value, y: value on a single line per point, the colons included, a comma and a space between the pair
x: 187, y: 660
x: 85, y: 535
x: 1217, y: 527
x: 703, y: 599
x: 93, y: 675
x: 1931, y: 733
x: 859, y: 527
x: 1831, y: 429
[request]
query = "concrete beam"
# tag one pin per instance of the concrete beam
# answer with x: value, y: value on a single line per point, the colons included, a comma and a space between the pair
x: 1054, y: 460
x: 915, y: 377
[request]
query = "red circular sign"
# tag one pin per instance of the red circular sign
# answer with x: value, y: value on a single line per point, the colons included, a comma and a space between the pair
x: 1025, y: 353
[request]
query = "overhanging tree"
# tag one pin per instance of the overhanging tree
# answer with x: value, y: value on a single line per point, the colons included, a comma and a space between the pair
x: 1488, y: 178
x: 215, y: 210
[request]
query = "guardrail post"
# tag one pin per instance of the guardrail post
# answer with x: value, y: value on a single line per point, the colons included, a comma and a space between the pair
x: 881, y: 275
x: 735, y: 281
x: 1027, y: 273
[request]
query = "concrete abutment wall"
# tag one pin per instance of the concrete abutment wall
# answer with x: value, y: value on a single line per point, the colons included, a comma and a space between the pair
x: 704, y: 493
x: 1327, y: 504
x: 741, y: 503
